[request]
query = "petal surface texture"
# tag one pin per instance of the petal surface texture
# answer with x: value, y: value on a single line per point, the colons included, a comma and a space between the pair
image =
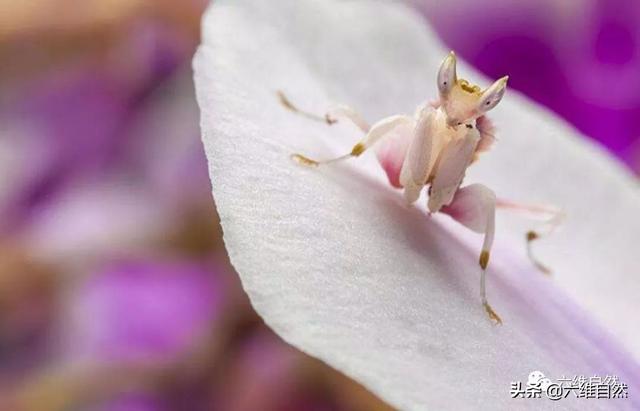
x: 339, y: 267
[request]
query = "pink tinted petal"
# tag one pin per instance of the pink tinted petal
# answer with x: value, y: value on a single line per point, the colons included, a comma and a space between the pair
x: 392, y: 151
x: 405, y: 321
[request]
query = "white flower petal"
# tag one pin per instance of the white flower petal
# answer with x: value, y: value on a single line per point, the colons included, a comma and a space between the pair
x: 342, y: 270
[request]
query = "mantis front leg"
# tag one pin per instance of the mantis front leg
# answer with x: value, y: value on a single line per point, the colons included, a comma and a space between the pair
x: 420, y: 156
x: 373, y: 134
x: 332, y: 116
x: 377, y: 132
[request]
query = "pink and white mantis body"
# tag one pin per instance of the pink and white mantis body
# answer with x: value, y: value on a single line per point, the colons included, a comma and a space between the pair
x: 433, y: 149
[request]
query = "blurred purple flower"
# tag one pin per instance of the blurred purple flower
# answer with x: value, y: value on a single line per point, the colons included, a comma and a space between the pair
x: 580, y: 59
x: 132, y: 402
x: 99, y: 218
x: 76, y: 119
x: 142, y: 311
x: 165, y: 144
x: 156, y: 174
x: 73, y: 118
x: 270, y: 376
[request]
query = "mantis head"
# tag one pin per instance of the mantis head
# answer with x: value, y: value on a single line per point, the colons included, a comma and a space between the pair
x: 461, y: 101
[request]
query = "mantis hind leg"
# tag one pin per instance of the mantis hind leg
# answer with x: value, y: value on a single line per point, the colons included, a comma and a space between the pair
x: 552, y: 219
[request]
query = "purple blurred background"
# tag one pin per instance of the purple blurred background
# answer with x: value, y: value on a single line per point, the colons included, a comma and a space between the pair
x: 580, y: 58
x: 115, y: 290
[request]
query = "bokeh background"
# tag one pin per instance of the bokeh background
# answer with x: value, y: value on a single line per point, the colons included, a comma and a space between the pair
x: 116, y: 293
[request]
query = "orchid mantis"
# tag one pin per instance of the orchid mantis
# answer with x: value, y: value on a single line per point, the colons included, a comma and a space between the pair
x: 433, y: 149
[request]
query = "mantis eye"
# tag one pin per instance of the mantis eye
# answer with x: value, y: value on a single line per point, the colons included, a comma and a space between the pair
x: 447, y: 74
x: 492, y: 95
